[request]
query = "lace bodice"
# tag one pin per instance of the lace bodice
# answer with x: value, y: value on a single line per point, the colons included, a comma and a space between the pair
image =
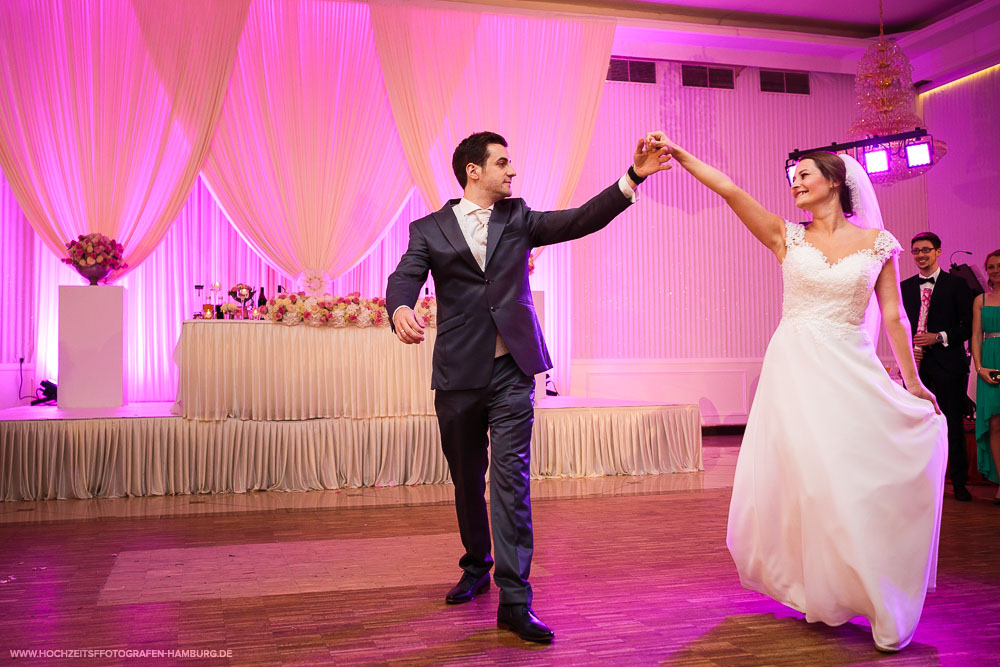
x: 833, y: 296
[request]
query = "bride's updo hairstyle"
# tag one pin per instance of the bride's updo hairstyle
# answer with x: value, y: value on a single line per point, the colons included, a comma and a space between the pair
x: 834, y: 170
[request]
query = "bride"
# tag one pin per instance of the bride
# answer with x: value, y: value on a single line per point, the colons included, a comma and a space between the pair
x: 836, y: 504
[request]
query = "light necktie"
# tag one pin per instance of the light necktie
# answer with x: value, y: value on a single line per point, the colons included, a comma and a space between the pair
x: 480, y: 236
x: 478, y: 247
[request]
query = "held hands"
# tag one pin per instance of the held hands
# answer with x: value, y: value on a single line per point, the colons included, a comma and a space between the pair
x: 409, y: 325
x: 650, y: 157
x: 658, y: 139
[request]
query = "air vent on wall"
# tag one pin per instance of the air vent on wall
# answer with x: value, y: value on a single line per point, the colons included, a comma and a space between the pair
x: 778, y: 81
x: 702, y: 76
x: 637, y: 71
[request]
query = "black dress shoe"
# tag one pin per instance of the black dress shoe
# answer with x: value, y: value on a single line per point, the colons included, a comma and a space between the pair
x: 962, y: 494
x: 519, y: 619
x: 468, y: 587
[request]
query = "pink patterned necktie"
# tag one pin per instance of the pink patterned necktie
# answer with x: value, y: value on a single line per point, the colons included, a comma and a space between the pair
x: 925, y: 303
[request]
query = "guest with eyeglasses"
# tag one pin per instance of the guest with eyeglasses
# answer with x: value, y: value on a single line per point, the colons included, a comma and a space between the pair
x: 986, y: 357
x: 939, y: 306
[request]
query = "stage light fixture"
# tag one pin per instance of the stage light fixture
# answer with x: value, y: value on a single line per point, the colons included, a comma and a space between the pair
x: 918, y: 155
x: 49, y: 393
x: 877, y: 161
x: 887, y: 159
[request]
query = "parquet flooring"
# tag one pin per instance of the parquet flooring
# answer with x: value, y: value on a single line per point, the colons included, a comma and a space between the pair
x: 628, y: 571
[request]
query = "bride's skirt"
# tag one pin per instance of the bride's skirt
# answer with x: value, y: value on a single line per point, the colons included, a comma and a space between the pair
x: 836, y: 503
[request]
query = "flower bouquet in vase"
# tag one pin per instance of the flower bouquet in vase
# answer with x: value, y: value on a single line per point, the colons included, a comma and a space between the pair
x: 94, y: 256
x: 242, y: 293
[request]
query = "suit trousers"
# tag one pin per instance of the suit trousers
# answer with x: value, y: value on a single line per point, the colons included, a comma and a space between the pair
x: 950, y: 389
x: 505, y: 410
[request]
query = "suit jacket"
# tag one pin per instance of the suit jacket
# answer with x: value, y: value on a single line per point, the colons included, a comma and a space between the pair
x: 950, y: 311
x: 472, y: 303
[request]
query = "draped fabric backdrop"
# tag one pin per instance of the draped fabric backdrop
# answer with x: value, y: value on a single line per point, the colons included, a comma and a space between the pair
x: 306, y: 158
x: 17, y: 296
x: 107, y: 108
x: 536, y: 81
x: 201, y: 248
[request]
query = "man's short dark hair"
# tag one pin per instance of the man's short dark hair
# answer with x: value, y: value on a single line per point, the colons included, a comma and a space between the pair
x: 473, y: 149
x: 930, y: 237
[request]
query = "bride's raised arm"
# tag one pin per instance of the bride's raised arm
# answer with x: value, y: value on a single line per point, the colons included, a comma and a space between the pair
x: 766, y: 226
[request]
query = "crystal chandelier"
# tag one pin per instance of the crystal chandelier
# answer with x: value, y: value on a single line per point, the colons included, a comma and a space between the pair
x: 886, y: 106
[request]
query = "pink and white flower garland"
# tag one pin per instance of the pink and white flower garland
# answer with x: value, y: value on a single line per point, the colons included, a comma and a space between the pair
x: 337, y: 311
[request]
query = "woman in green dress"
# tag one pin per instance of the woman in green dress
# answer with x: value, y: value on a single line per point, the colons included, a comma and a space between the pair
x: 986, y: 356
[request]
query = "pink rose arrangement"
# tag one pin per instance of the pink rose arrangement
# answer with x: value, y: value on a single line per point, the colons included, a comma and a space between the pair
x: 241, y: 292
x: 95, y: 250
x: 326, y: 310
x: 427, y: 307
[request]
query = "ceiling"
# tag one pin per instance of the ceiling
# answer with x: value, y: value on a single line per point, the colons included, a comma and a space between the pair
x: 846, y: 18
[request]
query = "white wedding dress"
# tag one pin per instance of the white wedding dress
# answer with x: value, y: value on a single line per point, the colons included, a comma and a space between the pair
x: 836, y: 503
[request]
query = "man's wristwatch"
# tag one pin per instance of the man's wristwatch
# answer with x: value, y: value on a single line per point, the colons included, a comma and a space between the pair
x: 636, y: 178
x: 940, y: 338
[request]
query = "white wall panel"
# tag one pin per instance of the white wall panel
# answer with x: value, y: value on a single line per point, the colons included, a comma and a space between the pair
x: 963, y: 190
x: 678, y: 276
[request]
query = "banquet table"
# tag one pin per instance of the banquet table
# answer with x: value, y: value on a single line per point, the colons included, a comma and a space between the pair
x: 262, y: 371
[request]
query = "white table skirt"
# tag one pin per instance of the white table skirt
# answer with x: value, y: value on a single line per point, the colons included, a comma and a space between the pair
x: 109, y: 457
x: 263, y: 371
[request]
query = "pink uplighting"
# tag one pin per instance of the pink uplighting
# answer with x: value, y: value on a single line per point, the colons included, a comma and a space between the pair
x: 283, y: 488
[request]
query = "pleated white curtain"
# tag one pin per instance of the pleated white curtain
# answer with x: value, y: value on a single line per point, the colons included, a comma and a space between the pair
x: 17, y: 313
x: 537, y: 81
x: 306, y: 159
x: 200, y: 248
x: 107, y: 109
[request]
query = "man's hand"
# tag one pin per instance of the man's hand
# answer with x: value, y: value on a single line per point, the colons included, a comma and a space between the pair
x: 409, y: 325
x: 650, y: 157
x: 918, y: 353
x: 925, y: 339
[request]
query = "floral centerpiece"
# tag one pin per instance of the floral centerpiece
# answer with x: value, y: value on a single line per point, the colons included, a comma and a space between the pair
x: 336, y: 311
x: 242, y: 293
x: 95, y: 256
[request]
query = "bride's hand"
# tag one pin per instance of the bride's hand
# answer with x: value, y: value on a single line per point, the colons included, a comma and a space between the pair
x: 920, y: 391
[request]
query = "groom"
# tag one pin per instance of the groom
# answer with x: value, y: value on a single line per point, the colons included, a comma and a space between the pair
x: 489, y: 348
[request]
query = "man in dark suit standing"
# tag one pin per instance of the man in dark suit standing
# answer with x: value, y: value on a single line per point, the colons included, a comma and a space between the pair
x: 939, y: 306
x: 489, y: 347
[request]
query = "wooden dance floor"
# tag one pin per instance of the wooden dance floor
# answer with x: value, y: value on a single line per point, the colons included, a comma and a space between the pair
x: 628, y: 570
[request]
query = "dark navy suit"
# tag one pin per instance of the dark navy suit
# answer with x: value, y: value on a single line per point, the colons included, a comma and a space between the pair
x: 476, y: 393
